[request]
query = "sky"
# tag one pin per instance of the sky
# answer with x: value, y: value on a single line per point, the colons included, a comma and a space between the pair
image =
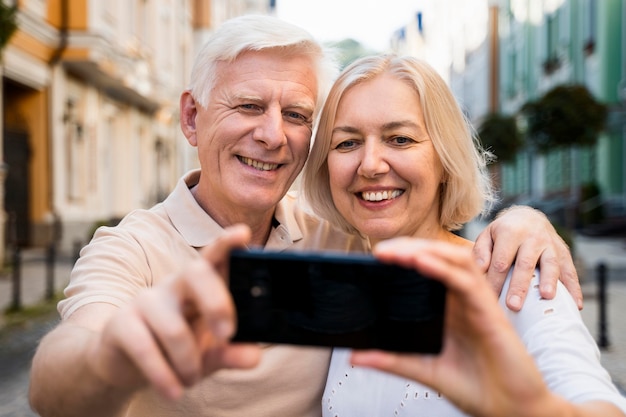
x: 451, y: 28
x: 335, y: 20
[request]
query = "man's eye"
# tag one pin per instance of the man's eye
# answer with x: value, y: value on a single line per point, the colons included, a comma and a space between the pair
x: 249, y: 107
x: 295, y: 116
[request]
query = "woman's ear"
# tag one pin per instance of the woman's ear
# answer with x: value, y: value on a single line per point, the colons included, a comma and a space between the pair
x: 188, y: 113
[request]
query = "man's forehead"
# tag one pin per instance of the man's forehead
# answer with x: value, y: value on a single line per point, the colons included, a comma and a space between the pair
x: 255, y: 74
x: 271, y: 58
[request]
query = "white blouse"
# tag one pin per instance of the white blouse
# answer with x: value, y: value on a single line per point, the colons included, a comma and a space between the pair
x: 553, y: 332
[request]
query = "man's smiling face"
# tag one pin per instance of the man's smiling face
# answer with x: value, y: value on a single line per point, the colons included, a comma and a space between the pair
x: 253, y: 137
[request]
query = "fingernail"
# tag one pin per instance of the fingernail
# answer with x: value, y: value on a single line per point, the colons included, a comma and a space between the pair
x: 515, y: 301
x: 547, y: 289
x: 222, y: 330
x: 382, y: 245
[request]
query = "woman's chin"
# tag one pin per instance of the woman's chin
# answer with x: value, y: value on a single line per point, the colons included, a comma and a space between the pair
x: 376, y: 233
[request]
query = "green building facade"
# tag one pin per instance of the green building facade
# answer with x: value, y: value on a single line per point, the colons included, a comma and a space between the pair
x: 543, y: 44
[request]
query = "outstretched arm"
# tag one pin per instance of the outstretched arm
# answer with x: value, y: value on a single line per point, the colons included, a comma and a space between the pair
x: 525, y: 236
x: 484, y: 368
x: 169, y: 337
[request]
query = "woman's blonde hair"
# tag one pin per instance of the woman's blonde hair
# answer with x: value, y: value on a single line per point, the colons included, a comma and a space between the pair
x: 467, y: 191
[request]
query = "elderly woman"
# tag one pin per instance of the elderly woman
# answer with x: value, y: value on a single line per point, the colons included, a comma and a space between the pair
x: 395, y: 158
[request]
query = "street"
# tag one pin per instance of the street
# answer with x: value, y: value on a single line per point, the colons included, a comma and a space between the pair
x: 17, y: 346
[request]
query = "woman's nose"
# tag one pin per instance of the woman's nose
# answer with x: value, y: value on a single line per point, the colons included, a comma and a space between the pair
x: 373, y: 161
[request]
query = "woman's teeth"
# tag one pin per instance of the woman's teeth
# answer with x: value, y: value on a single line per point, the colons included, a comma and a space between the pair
x: 380, y: 195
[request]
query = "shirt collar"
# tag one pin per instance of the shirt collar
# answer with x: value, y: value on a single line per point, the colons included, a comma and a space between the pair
x: 199, y: 229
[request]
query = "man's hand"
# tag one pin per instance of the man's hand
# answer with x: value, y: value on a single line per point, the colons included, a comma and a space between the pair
x: 177, y: 332
x: 169, y: 337
x: 525, y: 236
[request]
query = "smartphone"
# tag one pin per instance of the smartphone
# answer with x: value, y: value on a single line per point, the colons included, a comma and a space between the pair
x: 335, y: 299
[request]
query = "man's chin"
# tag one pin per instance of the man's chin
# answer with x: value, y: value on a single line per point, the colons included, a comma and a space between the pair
x: 261, y: 201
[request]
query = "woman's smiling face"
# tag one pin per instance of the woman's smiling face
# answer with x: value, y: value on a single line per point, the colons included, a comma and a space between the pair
x: 385, y: 175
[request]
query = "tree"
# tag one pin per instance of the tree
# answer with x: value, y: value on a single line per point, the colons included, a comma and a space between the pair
x: 499, y: 134
x: 7, y: 23
x: 350, y: 50
x: 567, y: 115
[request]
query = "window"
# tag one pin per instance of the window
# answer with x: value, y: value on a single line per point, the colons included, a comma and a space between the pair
x: 590, y: 27
x: 552, y: 61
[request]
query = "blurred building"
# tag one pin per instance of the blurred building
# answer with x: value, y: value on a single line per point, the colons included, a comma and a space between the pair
x: 89, y: 104
x: 499, y: 54
x: 565, y: 42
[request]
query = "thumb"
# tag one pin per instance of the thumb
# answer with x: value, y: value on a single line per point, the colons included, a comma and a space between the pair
x: 217, y: 252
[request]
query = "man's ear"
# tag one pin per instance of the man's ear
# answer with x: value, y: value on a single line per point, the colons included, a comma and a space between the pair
x: 188, y: 113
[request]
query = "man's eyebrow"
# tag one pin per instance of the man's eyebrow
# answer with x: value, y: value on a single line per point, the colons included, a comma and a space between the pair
x: 303, y: 105
x: 245, y: 97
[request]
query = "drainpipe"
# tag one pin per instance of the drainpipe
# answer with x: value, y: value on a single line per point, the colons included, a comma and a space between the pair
x: 55, y: 226
x: 494, y: 59
x: 63, y: 34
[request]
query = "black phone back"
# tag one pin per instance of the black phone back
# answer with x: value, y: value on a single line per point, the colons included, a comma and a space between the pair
x: 335, y: 299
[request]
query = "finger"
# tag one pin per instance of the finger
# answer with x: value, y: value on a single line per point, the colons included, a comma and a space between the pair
x: 451, y: 264
x: 207, y: 303
x: 502, y: 259
x: 193, y: 313
x: 462, y: 280
x: 145, y: 354
x: 482, y: 249
x: 416, y: 367
x: 173, y: 334
x: 232, y: 356
x: 550, y: 273
x: 217, y: 252
x: 523, y: 271
x: 569, y: 275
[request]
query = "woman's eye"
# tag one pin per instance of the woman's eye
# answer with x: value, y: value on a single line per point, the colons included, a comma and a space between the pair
x: 346, y: 144
x: 401, y: 140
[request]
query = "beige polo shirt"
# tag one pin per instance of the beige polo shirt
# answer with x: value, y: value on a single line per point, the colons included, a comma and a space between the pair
x: 149, y: 245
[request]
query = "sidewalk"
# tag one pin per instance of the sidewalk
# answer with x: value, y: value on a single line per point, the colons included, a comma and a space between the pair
x: 33, y: 272
x: 589, y: 253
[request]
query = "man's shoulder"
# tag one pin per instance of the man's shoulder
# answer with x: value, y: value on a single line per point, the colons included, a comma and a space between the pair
x: 139, y: 226
x: 141, y: 218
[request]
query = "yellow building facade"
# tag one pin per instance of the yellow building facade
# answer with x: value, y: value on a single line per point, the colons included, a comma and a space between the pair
x: 89, y: 104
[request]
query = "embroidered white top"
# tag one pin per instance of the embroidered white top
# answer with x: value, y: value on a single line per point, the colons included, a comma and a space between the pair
x: 553, y: 332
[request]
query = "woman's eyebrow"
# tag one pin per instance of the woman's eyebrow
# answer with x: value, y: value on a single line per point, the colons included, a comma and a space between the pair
x: 345, y: 129
x: 401, y: 123
x: 385, y: 126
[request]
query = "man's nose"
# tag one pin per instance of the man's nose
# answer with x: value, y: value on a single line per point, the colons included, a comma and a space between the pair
x: 271, y: 129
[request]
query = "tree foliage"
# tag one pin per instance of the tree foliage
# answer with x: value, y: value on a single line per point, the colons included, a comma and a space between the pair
x: 500, y: 135
x: 566, y: 115
x: 8, y: 25
x: 350, y: 50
